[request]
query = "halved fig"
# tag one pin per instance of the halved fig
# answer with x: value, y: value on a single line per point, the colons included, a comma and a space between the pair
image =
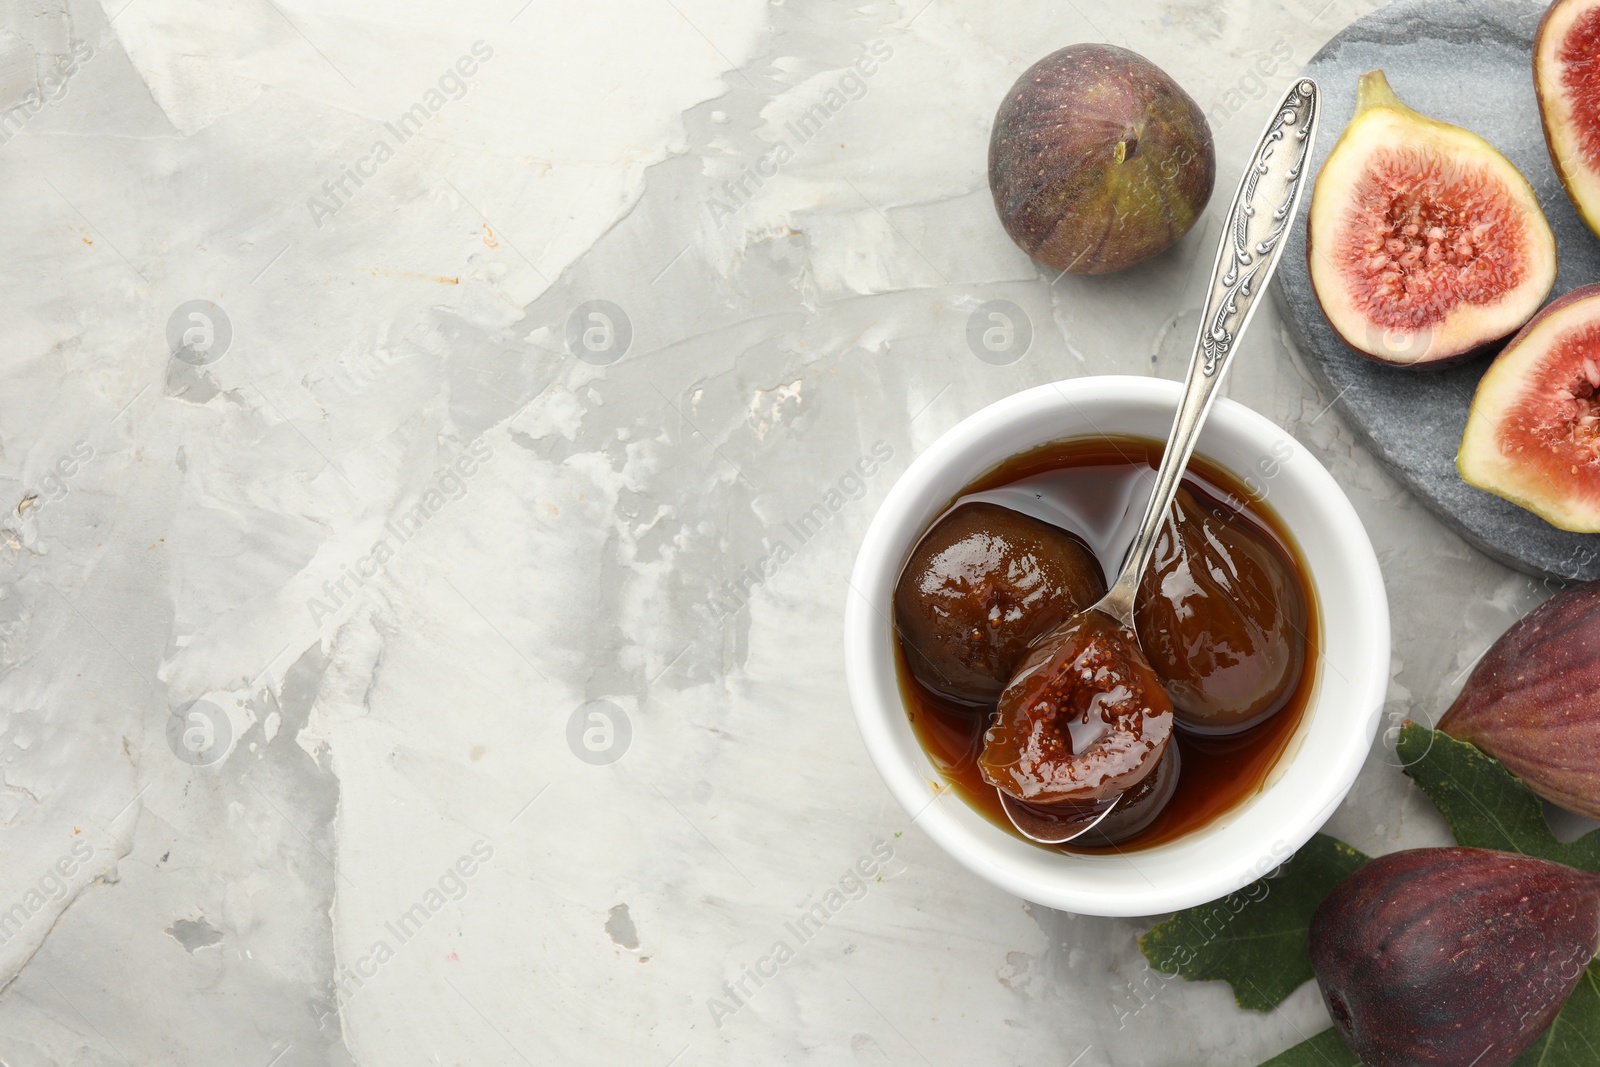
x: 1533, y: 435
x: 1566, y: 73
x: 1424, y: 242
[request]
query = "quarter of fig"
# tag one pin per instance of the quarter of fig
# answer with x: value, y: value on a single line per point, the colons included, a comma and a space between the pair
x: 1222, y: 620
x: 1424, y: 242
x: 1452, y: 956
x: 1533, y: 701
x: 1083, y: 719
x: 1099, y: 160
x: 1566, y: 72
x: 981, y: 587
x: 1533, y: 434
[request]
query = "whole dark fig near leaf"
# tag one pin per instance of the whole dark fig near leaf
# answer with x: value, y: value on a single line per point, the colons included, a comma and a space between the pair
x: 1533, y: 701
x: 1452, y: 956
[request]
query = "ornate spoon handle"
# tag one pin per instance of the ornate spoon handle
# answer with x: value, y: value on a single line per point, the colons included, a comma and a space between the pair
x: 1252, y: 244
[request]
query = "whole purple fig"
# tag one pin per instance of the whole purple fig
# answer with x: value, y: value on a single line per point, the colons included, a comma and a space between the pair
x: 1098, y: 160
x: 1533, y: 701
x: 1452, y: 956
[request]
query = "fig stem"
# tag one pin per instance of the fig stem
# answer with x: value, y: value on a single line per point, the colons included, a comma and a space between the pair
x: 1374, y: 90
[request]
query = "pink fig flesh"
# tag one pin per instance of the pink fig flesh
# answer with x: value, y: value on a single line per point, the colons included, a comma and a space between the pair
x: 1533, y: 434
x: 1424, y: 242
x: 1566, y: 73
x: 1452, y: 956
x: 1533, y: 701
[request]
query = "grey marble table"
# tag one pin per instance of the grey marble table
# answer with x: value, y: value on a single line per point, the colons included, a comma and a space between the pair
x: 413, y: 652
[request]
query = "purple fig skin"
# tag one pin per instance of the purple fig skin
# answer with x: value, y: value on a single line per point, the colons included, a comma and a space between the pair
x: 1098, y: 160
x: 1452, y: 956
x: 1533, y: 701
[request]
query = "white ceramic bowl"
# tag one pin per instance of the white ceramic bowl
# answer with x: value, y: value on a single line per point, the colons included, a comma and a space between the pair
x: 1314, y: 773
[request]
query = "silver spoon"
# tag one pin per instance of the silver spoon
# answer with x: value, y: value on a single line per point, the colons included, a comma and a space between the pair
x: 1252, y: 243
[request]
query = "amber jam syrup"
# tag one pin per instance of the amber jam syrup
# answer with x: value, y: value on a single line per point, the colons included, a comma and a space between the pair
x: 1096, y: 488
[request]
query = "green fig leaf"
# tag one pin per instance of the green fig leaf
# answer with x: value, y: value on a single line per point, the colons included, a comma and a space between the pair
x: 1255, y: 939
x: 1573, y: 1040
x: 1327, y: 1049
x: 1485, y: 804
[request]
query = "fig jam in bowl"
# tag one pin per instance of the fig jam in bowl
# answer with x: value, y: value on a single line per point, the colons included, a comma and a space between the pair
x: 1244, y: 803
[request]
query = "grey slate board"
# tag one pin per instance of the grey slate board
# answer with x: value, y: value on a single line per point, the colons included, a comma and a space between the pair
x: 1468, y: 62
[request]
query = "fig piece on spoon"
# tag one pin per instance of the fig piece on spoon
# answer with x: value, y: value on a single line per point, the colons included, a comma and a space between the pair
x: 1104, y: 822
x: 1085, y: 719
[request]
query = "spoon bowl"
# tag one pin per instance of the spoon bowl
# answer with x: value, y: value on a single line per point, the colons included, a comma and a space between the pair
x: 1125, y: 815
x: 1050, y: 826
